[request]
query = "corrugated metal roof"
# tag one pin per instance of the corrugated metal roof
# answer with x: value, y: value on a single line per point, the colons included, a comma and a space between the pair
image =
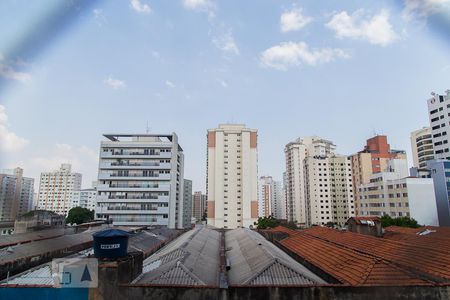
x: 256, y: 261
x: 8, y: 240
x: 192, y: 259
x: 41, y: 275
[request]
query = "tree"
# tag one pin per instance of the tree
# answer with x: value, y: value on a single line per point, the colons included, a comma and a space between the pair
x: 267, y: 222
x: 387, y: 221
x: 79, y: 215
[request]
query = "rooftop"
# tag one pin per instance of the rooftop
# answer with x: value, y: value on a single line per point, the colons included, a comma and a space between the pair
x: 256, y: 261
x: 357, y: 259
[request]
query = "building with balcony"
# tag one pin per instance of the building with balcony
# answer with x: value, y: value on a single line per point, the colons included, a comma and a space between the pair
x: 16, y: 194
x: 270, y: 198
x: 56, y: 188
x: 140, y: 180
x: 198, y: 206
x: 232, y: 182
x: 439, y: 115
x: 85, y: 198
x: 422, y: 147
x: 187, y: 203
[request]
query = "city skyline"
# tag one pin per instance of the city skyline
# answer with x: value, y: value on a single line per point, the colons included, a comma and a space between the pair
x: 56, y: 103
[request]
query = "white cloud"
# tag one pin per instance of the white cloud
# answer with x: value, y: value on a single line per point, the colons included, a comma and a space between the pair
x: 293, y: 20
x: 222, y: 82
x: 9, y: 141
x: 226, y: 43
x: 139, y: 7
x: 99, y: 16
x: 170, y: 84
x: 197, y: 4
x: 115, y: 83
x: 424, y: 8
x: 290, y: 54
x: 377, y: 30
x: 10, y: 73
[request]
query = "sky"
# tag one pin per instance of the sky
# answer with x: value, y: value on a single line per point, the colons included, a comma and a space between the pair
x: 71, y: 71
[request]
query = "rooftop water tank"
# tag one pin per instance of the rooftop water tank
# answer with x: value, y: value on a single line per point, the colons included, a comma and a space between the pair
x: 110, y: 243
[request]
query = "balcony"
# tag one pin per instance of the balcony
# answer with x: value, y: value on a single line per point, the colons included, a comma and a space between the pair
x: 118, y: 199
x: 106, y: 210
x: 133, y: 188
x: 135, y: 166
x: 115, y: 176
x: 133, y: 154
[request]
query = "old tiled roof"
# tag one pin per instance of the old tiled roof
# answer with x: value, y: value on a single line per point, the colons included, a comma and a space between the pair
x: 429, y: 236
x: 357, y: 259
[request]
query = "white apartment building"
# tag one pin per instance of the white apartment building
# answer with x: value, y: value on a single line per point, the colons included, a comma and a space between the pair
x: 393, y: 193
x: 422, y: 147
x: 232, y: 186
x: 270, y: 198
x: 439, y: 114
x: 187, y: 203
x: 295, y: 153
x: 85, y: 198
x: 140, y: 180
x: 329, y: 190
x: 56, y: 188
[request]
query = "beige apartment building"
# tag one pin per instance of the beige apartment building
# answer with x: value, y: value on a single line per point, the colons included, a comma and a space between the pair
x: 295, y: 190
x: 56, y: 189
x: 422, y: 147
x: 372, y: 159
x: 232, y: 174
x: 329, y: 190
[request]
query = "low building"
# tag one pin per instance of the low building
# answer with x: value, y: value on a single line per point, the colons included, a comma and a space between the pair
x: 365, y: 225
x: 38, y: 220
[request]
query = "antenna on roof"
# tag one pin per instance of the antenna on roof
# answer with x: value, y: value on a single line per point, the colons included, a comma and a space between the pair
x: 147, y: 129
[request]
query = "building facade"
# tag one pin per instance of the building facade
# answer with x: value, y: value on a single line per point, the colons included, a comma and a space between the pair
x: 16, y: 194
x: 56, y: 188
x: 140, y: 180
x: 295, y: 154
x: 187, y: 203
x: 422, y: 147
x: 439, y: 115
x: 232, y: 187
x: 329, y: 190
x: 198, y: 206
x: 270, y: 198
x: 440, y: 174
x: 372, y: 159
x: 395, y: 194
x: 85, y: 198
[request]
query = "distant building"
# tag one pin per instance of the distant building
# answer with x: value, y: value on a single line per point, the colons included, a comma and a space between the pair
x: 270, y: 198
x: 393, y: 193
x: 56, y: 188
x: 295, y: 153
x: 187, y: 203
x: 198, y: 206
x: 439, y: 115
x: 232, y: 172
x: 38, y: 220
x: 329, y: 190
x: 16, y: 194
x: 85, y: 198
x: 140, y: 180
x: 440, y: 174
x: 373, y: 159
x: 422, y: 147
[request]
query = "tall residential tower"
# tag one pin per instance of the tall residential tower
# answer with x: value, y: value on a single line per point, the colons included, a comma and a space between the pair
x: 232, y: 172
x: 141, y: 180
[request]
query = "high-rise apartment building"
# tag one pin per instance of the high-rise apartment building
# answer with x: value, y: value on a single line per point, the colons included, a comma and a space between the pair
x: 439, y: 170
x: 373, y: 159
x: 140, y: 180
x: 16, y: 194
x: 329, y: 190
x: 85, y: 198
x: 295, y: 153
x: 422, y: 147
x: 187, y: 203
x: 232, y: 187
x: 270, y: 198
x: 56, y: 188
x: 198, y: 206
x: 439, y: 115
x: 392, y: 192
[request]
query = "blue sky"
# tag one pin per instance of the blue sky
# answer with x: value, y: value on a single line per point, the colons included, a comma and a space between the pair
x: 343, y: 70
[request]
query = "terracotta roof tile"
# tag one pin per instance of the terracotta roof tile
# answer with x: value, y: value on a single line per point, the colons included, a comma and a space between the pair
x: 357, y: 259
